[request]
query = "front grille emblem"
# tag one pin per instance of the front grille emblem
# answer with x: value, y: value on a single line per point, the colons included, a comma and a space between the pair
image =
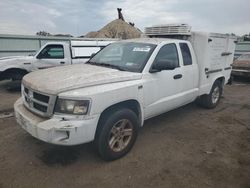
x: 29, y: 99
x: 39, y: 103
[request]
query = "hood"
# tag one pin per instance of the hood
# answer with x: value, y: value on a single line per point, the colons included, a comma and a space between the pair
x: 10, y: 57
x: 65, y: 78
x: 14, y: 61
x: 15, y: 58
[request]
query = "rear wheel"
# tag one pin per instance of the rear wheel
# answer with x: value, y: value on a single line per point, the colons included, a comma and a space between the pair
x: 212, y: 99
x: 117, y: 134
x: 13, y: 74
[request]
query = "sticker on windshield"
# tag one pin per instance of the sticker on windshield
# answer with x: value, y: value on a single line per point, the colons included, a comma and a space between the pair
x: 139, y: 49
x: 129, y: 64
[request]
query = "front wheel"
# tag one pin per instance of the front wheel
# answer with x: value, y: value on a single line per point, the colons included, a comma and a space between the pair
x: 117, y: 134
x: 212, y: 99
x: 18, y: 75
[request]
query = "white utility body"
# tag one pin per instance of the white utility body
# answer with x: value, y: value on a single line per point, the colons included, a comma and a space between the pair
x: 110, y: 96
x: 52, y: 54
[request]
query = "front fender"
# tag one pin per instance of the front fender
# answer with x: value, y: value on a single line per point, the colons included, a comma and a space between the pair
x: 24, y: 63
x: 107, y: 95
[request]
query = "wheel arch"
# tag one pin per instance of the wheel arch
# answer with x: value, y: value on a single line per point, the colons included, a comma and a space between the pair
x: 131, y: 104
x: 220, y: 78
x: 7, y: 74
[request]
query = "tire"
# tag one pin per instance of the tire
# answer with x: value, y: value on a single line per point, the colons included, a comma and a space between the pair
x: 117, y: 134
x: 18, y: 76
x: 212, y: 99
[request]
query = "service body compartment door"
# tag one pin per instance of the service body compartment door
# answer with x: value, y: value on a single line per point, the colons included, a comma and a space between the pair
x: 229, y: 56
x: 216, y: 48
x: 213, y: 53
x: 220, y: 55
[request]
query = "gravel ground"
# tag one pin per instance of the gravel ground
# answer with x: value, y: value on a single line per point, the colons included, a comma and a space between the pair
x: 187, y: 147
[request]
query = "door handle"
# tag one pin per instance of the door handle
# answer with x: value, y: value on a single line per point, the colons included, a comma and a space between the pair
x: 62, y: 62
x: 226, y: 53
x: 206, y: 70
x: 177, y: 76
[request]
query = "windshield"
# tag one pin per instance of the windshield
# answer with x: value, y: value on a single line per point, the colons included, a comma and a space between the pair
x: 128, y: 56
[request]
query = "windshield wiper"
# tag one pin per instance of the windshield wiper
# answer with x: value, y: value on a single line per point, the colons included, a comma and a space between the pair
x: 106, y: 65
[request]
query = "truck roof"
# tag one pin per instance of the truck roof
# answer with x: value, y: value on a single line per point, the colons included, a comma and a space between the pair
x: 153, y: 40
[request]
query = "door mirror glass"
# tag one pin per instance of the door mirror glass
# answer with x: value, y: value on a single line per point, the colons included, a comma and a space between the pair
x: 39, y: 56
x: 163, y: 65
x: 92, y: 55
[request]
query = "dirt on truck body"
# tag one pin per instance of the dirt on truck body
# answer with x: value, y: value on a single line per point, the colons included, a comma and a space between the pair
x: 187, y: 147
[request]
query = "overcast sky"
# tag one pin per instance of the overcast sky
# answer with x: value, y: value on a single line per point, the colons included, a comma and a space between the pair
x: 77, y: 17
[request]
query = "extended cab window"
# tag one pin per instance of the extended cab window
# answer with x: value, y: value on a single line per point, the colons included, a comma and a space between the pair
x: 52, y: 52
x: 186, y: 55
x: 168, y: 53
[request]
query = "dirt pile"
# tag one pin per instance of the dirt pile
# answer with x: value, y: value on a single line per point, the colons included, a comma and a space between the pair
x: 116, y: 29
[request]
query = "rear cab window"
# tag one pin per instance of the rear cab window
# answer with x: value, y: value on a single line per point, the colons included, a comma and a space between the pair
x: 186, y: 55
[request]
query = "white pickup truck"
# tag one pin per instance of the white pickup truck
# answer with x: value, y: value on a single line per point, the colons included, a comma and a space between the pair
x: 51, y: 54
x: 107, y: 99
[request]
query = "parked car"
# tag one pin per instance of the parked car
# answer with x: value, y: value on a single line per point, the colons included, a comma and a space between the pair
x: 107, y: 99
x: 241, y: 66
x: 50, y: 55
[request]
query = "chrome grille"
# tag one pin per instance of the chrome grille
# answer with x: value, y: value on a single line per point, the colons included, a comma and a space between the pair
x: 37, y: 102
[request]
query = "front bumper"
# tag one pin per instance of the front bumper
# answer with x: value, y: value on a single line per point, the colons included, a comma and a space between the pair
x: 241, y: 72
x: 56, y: 130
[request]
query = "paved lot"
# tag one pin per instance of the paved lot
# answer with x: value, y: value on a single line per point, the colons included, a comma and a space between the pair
x: 187, y: 147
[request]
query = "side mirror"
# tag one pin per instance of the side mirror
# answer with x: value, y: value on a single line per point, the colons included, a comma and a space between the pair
x: 162, y: 65
x: 92, y: 55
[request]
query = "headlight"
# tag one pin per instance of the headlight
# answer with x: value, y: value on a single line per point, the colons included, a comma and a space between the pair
x: 76, y: 107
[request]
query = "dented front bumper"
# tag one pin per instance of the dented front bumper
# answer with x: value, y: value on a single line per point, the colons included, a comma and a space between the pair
x: 56, y: 130
x: 241, y: 72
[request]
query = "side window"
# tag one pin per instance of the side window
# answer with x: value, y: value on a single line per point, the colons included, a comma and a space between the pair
x: 186, y: 55
x: 52, y: 52
x: 168, y: 53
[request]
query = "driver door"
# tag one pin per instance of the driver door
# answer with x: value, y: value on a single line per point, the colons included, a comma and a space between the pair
x: 50, y: 56
x: 161, y: 90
